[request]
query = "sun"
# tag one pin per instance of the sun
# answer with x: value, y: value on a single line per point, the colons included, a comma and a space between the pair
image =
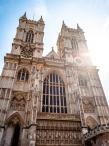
x: 99, y: 50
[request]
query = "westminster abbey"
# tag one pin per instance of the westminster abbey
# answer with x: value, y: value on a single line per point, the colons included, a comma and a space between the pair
x: 52, y: 100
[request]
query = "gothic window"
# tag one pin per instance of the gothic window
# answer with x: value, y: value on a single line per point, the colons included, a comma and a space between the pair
x: 74, y: 44
x: 30, y: 36
x: 54, y: 97
x: 23, y: 75
x: 82, y: 81
x: 2, y: 93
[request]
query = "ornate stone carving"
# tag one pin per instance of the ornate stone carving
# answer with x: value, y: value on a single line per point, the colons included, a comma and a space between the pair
x: 88, y: 105
x: 58, y: 116
x: 91, y: 122
x: 18, y: 103
x: 58, y: 132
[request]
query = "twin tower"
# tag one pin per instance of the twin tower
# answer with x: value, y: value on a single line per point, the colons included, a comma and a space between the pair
x: 53, y: 100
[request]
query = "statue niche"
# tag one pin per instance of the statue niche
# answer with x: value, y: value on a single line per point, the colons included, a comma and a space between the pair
x: 18, y: 103
x: 88, y: 105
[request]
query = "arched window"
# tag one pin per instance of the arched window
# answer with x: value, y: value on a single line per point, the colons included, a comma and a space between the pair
x: 30, y: 36
x: 74, y: 44
x: 23, y: 75
x: 82, y: 81
x: 54, y: 97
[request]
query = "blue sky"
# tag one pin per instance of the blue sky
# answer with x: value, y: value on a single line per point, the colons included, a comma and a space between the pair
x: 92, y: 16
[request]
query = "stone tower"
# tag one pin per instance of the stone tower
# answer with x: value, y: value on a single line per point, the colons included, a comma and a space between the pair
x: 51, y: 100
x: 72, y: 47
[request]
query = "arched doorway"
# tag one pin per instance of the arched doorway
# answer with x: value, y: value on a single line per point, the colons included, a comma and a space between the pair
x: 12, y: 133
x: 16, y: 135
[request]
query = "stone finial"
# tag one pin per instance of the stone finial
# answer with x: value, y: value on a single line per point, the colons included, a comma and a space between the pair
x: 41, y: 19
x: 78, y: 27
x: 63, y: 24
x: 52, y: 48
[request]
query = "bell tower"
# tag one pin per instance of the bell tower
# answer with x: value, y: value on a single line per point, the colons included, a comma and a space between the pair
x: 83, y: 77
x: 28, y: 41
x: 18, y: 81
x: 72, y: 45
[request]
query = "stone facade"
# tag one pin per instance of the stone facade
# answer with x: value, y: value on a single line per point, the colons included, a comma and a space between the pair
x: 51, y: 100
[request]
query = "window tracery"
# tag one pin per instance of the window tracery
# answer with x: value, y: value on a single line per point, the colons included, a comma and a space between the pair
x: 54, y: 97
x: 23, y: 75
x: 30, y: 36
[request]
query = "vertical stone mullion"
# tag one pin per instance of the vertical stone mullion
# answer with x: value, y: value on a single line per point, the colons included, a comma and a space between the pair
x: 21, y: 74
x: 25, y: 75
x: 49, y: 93
x: 62, y: 96
x: 59, y: 94
x: 41, y: 93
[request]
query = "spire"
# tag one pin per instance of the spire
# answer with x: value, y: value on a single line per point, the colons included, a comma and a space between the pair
x: 24, y: 16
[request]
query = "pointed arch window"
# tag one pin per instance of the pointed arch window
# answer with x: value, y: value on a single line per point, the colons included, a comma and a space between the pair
x: 54, y: 97
x: 74, y: 44
x: 30, y: 36
x: 82, y: 81
x: 23, y: 75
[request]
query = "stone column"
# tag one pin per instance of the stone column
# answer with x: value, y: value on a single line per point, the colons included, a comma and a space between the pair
x: 32, y: 135
x: 33, y: 125
x: 24, y: 138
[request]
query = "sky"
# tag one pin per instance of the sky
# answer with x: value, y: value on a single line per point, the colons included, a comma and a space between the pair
x: 91, y: 15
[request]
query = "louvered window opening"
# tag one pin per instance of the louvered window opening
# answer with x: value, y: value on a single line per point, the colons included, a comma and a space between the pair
x: 29, y: 37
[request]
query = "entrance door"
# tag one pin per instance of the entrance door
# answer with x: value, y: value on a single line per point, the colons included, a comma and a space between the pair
x: 16, y: 136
